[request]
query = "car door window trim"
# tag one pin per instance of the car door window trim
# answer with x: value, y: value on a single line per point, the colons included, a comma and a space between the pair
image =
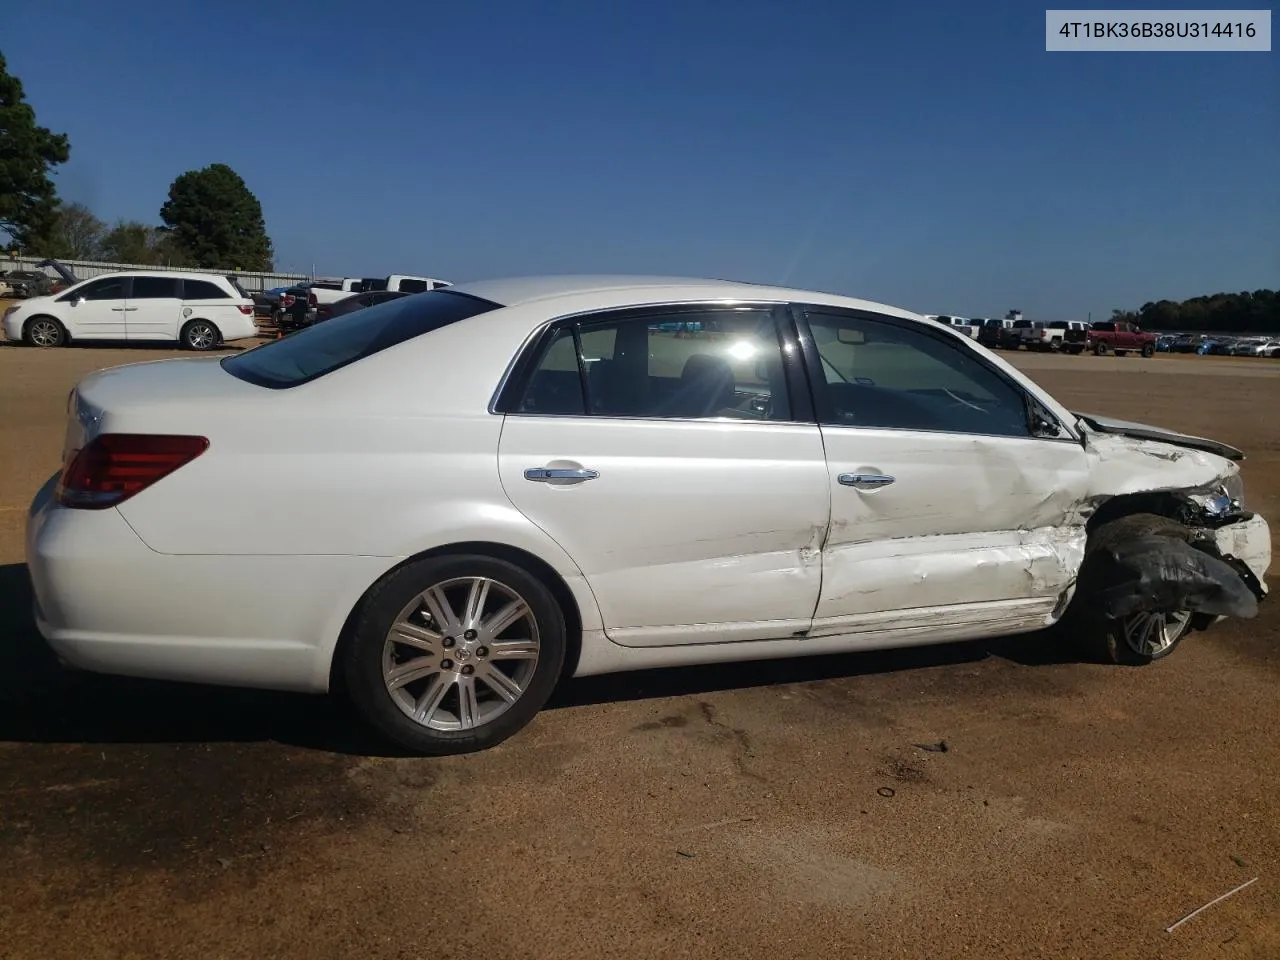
x: 817, y: 380
x: 520, y: 371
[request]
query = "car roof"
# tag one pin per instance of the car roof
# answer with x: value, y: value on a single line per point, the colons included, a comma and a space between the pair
x: 176, y: 274
x: 639, y: 289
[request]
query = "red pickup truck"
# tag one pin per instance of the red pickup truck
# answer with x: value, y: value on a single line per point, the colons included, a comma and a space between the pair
x: 1120, y: 337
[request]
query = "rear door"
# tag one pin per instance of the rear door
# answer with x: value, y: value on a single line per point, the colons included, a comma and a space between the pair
x: 672, y: 453
x: 96, y: 310
x: 153, y: 308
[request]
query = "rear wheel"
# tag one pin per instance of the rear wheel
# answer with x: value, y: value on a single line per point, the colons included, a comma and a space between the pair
x: 200, y: 335
x: 1148, y: 350
x: 44, y: 332
x: 454, y: 654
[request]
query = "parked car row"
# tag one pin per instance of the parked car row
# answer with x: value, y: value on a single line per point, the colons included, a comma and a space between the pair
x: 1219, y: 345
x: 303, y: 304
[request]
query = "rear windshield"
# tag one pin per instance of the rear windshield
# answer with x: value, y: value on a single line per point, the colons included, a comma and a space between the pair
x: 325, y: 347
x: 1058, y: 325
x: 1022, y: 324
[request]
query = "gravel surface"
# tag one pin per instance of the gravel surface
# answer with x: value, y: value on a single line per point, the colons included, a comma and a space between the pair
x: 797, y: 808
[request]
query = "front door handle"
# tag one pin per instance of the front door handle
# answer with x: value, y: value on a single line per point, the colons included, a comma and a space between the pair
x: 865, y: 481
x: 560, y: 474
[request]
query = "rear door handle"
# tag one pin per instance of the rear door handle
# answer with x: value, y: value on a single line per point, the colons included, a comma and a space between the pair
x: 560, y: 474
x: 865, y: 481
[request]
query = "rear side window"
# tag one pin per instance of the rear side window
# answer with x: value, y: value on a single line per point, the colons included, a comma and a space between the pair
x: 238, y: 288
x: 203, y: 290
x: 154, y: 288
x: 414, y: 286
x: 343, y: 340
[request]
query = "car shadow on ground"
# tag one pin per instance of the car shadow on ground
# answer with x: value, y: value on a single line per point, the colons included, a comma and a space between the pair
x: 42, y: 702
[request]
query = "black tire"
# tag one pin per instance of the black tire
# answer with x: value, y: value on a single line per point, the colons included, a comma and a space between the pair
x: 201, y: 335
x: 1148, y: 350
x: 44, y: 332
x: 1099, y: 349
x: 368, y: 654
x: 1096, y: 637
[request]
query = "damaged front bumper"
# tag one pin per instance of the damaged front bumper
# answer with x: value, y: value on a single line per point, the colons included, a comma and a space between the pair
x: 1246, y: 543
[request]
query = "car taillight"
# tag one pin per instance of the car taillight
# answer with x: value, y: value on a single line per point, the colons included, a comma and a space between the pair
x: 246, y: 310
x: 311, y: 300
x: 115, y: 466
x: 287, y: 300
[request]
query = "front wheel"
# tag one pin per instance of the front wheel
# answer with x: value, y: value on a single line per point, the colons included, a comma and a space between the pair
x: 1140, y: 638
x: 454, y: 654
x: 44, y: 332
x: 1099, y: 349
x: 1148, y: 350
x: 200, y: 335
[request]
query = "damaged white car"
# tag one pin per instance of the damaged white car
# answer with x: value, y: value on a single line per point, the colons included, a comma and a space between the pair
x: 444, y: 504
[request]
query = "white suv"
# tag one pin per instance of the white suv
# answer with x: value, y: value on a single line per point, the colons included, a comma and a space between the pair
x: 201, y: 310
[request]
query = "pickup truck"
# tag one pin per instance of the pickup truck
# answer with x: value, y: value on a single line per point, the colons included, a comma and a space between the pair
x: 959, y: 324
x: 1067, y: 336
x: 396, y: 283
x: 1120, y: 337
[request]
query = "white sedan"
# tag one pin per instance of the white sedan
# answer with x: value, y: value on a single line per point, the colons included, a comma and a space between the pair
x: 444, y: 504
x: 201, y: 311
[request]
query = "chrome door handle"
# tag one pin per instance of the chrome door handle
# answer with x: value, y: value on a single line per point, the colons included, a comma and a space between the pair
x: 865, y: 481
x: 117, y: 309
x: 561, y: 474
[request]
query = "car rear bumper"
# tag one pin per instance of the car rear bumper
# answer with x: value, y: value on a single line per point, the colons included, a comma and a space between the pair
x: 106, y: 602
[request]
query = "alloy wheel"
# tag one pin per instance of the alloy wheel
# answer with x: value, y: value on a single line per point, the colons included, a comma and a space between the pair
x: 461, y: 653
x: 1152, y: 634
x: 45, y: 333
x: 201, y: 336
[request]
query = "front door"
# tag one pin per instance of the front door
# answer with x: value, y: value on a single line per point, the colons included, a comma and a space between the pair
x: 952, y: 515
x: 97, y: 310
x: 153, y: 309
x: 672, y: 454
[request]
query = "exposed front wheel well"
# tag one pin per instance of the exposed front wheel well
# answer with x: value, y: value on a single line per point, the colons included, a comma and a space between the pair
x: 1161, y: 504
x: 501, y: 551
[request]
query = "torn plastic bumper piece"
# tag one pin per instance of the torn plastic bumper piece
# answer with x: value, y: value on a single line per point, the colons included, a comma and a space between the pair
x: 1157, y: 574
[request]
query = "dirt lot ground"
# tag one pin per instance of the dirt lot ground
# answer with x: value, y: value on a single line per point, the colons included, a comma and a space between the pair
x: 746, y: 811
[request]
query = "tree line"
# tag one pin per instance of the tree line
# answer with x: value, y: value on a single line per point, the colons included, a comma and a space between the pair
x: 1256, y: 312
x: 210, y: 219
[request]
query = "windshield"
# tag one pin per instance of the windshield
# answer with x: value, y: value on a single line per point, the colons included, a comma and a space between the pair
x: 345, y: 339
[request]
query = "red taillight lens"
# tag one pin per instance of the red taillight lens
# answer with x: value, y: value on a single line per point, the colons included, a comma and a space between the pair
x: 311, y: 300
x: 287, y: 300
x: 246, y: 310
x: 115, y: 466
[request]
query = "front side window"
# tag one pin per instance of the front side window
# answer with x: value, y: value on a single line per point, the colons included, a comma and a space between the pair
x: 351, y: 337
x: 888, y: 375
x: 154, y: 288
x: 203, y: 290
x: 717, y: 363
x: 108, y: 288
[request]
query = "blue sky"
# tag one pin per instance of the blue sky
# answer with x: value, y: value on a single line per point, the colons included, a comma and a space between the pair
x: 932, y: 156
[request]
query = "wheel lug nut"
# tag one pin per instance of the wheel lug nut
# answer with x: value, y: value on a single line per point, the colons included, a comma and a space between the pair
x: 469, y: 635
x: 482, y: 651
x: 446, y: 664
x: 448, y: 642
x: 468, y: 670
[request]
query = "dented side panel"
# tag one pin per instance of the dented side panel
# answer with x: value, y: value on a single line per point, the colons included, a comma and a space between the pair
x: 967, y: 519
